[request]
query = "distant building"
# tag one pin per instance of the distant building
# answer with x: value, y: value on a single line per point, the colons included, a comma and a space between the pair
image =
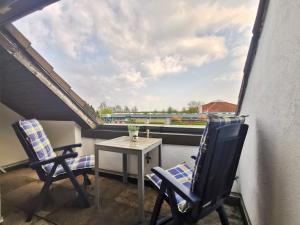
x: 219, y: 106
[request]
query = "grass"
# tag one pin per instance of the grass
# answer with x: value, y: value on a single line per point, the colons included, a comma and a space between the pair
x: 173, y: 122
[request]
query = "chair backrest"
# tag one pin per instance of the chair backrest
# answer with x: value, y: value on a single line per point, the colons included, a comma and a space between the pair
x: 218, y: 160
x: 35, y: 143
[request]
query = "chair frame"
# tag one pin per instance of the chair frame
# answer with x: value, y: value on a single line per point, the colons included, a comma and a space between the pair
x: 47, y: 178
x: 199, y: 205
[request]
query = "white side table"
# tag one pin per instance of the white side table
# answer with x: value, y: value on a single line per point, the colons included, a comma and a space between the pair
x: 125, y: 146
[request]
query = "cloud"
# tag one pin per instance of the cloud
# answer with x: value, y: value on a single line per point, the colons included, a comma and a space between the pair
x: 239, y: 55
x: 125, y: 45
x: 160, y: 66
x: 133, y: 77
x: 237, y: 76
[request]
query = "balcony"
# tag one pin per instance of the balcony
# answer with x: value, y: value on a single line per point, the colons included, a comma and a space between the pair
x: 268, y: 188
x: 20, y: 185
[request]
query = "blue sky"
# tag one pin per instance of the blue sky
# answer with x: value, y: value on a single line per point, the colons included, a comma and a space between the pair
x: 149, y: 54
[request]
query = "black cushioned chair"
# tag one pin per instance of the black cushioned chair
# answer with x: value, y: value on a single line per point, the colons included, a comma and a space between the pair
x: 49, y: 166
x: 194, y: 193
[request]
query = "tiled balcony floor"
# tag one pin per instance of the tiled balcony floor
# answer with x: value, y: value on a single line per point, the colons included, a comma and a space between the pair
x: 118, y: 203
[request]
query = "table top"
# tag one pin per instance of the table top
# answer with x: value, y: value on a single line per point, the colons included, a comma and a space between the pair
x: 124, y: 142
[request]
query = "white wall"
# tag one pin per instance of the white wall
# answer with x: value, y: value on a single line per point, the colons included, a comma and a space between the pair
x: 270, y: 163
x: 59, y: 132
x: 62, y: 133
x: 11, y: 150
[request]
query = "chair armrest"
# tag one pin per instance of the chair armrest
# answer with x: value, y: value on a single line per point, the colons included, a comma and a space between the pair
x: 175, y: 185
x: 67, y: 147
x: 193, y: 157
x: 52, y: 160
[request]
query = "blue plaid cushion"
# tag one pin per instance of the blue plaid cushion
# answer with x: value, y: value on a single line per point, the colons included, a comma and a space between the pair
x: 38, y: 139
x: 183, y: 174
x: 214, y: 121
x: 81, y: 162
x: 43, y: 149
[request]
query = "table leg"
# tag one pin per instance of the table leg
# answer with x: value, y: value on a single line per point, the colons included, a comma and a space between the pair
x: 125, y: 172
x: 1, y: 218
x: 141, y: 188
x: 97, y: 185
x: 159, y: 156
x: 2, y: 170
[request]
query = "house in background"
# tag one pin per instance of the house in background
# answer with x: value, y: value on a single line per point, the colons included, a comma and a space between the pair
x: 217, y: 106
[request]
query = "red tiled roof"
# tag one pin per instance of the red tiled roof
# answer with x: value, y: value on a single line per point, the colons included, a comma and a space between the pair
x: 219, y: 107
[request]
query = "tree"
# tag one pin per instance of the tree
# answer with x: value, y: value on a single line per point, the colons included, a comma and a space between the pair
x: 118, y: 109
x: 171, y: 110
x: 134, y: 109
x: 194, y: 106
x: 106, y: 110
x: 92, y: 108
x: 193, y: 109
x: 102, y: 105
x: 126, y: 109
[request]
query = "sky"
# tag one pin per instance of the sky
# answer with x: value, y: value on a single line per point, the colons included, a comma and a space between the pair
x: 149, y: 54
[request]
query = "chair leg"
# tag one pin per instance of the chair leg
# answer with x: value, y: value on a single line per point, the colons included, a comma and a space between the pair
x: 86, y: 180
x: 222, y: 215
x: 157, y: 206
x: 174, y: 209
x: 43, y: 193
x: 41, y: 198
x: 165, y: 220
x: 76, y: 185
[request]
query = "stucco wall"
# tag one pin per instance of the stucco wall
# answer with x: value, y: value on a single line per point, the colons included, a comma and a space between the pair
x: 11, y: 152
x: 62, y: 133
x: 270, y: 163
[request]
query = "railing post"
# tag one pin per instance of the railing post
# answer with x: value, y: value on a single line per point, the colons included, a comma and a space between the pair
x: 1, y: 218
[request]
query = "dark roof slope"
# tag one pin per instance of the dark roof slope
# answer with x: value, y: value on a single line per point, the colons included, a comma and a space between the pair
x: 21, y: 52
x: 256, y: 32
x: 11, y: 10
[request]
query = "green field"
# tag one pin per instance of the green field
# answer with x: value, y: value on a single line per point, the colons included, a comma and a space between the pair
x: 163, y: 122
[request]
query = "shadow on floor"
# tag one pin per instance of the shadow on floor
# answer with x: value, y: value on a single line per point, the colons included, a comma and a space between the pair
x: 19, y: 189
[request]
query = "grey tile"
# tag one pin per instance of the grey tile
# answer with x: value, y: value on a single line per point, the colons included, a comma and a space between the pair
x: 118, y: 203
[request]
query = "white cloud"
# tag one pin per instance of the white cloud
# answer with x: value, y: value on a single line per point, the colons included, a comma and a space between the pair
x: 124, y: 45
x: 152, y: 98
x: 133, y: 77
x: 237, y: 76
x: 160, y: 66
x: 239, y: 55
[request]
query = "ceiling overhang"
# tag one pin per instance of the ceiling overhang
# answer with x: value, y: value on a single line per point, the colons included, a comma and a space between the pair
x: 11, y: 10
